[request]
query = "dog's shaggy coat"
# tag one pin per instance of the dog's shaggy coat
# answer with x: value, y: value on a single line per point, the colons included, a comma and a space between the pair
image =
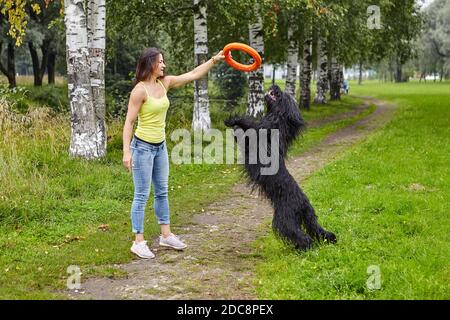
x: 294, y: 219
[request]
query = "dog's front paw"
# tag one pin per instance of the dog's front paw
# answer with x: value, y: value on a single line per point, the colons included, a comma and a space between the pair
x: 330, y: 237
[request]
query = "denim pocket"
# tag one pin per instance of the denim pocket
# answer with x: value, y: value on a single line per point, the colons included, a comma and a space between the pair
x: 138, y: 157
x: 140, y: 146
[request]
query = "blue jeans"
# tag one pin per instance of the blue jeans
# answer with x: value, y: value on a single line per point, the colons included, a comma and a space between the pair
x: 150, y: 163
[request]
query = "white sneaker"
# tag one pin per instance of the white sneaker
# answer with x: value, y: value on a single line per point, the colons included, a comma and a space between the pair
x: 141, y: 250
x: 172, y: 241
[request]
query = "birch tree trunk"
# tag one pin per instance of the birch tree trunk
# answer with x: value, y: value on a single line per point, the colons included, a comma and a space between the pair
x: 201, y: 118
x: 305, y: 84
x: 83, y: 141
x: 292, y: 61
x: 335, y: 88
x: 96, y: 43
x: 256, y: 78
x: 322, y: 64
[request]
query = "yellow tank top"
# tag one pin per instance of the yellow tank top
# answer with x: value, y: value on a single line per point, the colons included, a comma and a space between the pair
x: 152, y: 118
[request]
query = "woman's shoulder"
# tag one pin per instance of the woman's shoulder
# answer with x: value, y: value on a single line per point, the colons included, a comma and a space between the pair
x: 165, y: 82
x: 138, y: 92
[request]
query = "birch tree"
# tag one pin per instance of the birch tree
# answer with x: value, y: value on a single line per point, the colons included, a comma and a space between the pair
x: 85, y: 76
x: 96, y: 44
x: 201, y: 118
x: 305, y: 83
x: 292, y: 62
x: 322, y: 66
x: 335, y: 86
x: 256, y: 78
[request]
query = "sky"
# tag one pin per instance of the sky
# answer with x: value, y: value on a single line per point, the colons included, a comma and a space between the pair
x: 426, y: 2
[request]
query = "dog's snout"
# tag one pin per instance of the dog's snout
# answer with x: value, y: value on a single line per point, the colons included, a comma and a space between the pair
x: 272, y: 94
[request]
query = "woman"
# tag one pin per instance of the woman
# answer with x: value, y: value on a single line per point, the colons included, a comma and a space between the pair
x: 146, y: 156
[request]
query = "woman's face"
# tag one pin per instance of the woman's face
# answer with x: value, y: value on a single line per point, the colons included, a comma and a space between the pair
x: 160, y: 66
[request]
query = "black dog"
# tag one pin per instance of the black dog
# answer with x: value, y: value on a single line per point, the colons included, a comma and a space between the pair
x: 293, y: 211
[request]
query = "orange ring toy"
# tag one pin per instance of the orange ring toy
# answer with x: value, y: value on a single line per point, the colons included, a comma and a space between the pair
x: 247, y: 49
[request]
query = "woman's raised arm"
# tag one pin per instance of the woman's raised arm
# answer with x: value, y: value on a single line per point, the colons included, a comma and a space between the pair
x: 197, y: 73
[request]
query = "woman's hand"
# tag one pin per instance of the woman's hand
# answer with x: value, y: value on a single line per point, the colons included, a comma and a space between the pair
x: 219, y: 57
x: 127, y: 160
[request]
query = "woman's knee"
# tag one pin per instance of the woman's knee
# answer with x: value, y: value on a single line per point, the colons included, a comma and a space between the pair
x: 161, y: 193
x: 141, y: 197
x: 161, y: 188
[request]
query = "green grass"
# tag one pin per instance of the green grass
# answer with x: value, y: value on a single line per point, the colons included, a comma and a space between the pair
x: 51, y: 206
x: 317, y: 134
x: 387, y: 201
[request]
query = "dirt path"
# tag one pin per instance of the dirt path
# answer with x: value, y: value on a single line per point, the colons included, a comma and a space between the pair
x: 219, y: 262
x: 337, y: 117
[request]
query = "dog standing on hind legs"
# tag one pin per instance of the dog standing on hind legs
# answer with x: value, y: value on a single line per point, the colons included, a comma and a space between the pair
x: 294, y: 218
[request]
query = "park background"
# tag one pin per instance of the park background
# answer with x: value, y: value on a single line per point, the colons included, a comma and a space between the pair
x: 386, y: 197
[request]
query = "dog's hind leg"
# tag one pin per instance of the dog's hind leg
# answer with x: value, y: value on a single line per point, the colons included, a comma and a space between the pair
x: 289, y: 230
x: 312, y: 226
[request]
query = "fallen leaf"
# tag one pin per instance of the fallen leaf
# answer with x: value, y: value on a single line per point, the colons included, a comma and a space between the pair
x: 103, y: 227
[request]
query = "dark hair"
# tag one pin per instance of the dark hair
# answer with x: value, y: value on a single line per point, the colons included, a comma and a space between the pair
x: 147, y: 62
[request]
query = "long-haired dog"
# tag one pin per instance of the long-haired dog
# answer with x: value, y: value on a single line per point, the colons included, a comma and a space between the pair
x: 294, y: 219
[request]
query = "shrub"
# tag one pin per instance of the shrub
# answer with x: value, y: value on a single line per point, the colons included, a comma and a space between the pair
x: 54, y: 97
x: 16, y: 97
x: 231, y: 84
x: 117, y: 95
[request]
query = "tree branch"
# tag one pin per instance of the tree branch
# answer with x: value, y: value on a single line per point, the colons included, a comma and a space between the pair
x: 436, y: 47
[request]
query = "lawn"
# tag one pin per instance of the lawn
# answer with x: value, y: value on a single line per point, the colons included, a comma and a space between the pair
x: 387, y: 200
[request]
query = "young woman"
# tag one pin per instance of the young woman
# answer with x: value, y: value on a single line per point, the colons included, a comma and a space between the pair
x: 146, y: 156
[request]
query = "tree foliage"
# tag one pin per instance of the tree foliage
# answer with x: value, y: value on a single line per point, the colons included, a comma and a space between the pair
x: 18, y: 15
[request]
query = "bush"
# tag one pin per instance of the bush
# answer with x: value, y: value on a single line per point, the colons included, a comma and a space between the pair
x: 117, y: 95
x: 54, y: 97
x: 231, y: 84
x: 16, y: 97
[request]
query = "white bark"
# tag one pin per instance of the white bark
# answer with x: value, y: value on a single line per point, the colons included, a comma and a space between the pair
x: 305, y: 84
x: 83, y: 125
x: 85, y: 42
x: 322, y: 66
x: 335, y: 85
x: 292, y: 61
x: 256, y: 78
x: 96, y: 44
x: 201, y: 118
